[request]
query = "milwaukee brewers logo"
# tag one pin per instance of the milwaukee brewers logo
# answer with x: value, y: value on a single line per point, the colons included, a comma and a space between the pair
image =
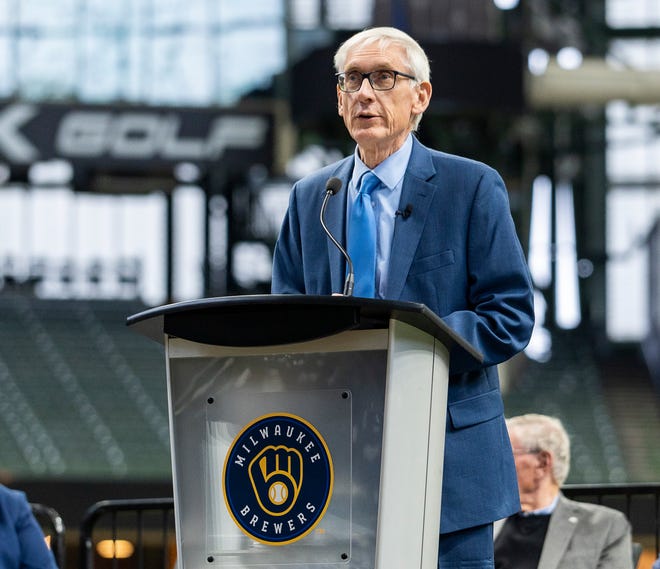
x: 277, y: 479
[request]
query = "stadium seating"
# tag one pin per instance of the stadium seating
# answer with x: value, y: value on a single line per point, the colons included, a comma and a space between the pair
x: 569, y: 387
x: 86, y: 396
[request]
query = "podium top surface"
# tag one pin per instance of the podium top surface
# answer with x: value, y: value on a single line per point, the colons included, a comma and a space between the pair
x: 263, y: 320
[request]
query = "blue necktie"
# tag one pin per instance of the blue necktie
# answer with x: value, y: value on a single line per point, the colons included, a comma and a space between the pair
x: 362, y: 238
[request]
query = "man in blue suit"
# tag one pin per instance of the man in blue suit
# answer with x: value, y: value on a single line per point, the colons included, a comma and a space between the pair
x: 22, y: 543
x: 444, y: 237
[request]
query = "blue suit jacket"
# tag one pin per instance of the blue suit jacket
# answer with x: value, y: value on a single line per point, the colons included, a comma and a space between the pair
x: 458, y: 253
x: 22, y: 544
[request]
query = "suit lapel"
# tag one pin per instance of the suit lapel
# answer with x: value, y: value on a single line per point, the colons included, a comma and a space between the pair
x: 417, y: 193
x: 335, y: 219
x: 562, y: 525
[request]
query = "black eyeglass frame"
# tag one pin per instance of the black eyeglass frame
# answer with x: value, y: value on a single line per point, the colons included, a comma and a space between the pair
x: 368, y: 77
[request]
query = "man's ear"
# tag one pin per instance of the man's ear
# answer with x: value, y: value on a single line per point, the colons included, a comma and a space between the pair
x: 424, y: 91
x: 545, y: 460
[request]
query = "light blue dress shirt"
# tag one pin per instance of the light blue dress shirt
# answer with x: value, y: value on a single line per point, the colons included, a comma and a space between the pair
x: 385, y: 200
x: 543, y: 511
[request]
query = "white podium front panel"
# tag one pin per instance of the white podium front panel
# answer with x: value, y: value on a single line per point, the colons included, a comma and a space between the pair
x: 277, y: 451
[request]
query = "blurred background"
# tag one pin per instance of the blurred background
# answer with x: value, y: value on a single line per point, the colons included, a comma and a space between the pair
x: 147, y: 150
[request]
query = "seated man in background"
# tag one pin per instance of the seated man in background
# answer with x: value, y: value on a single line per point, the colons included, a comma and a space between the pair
x: 553, y: 532
x: 22, y: 543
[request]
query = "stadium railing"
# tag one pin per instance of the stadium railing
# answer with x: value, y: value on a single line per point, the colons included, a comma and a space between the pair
x: 141, y: 529
x: 149, y: 524
x: 53, y: 527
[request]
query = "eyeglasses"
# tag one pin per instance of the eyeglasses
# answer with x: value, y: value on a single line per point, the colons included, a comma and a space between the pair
x: 519, y: 451
x: 380, y: 80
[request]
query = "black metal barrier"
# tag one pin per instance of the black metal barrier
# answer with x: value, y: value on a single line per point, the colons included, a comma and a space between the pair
x: 149, y: 524
x: 53, y: 527
x: 146, y: 526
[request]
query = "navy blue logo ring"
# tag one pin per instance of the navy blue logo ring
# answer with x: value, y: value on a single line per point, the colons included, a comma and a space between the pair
x: 278, y: 478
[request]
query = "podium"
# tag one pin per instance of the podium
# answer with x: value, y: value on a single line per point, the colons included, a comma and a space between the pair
x: 305, y: 431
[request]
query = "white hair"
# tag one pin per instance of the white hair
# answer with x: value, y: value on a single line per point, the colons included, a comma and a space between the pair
x: 540, y: 432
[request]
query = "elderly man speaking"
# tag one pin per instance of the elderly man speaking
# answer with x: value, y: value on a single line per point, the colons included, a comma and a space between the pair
x: 428, y: 227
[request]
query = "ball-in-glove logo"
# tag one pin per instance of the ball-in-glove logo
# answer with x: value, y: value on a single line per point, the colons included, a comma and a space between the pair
x: 278, y: 479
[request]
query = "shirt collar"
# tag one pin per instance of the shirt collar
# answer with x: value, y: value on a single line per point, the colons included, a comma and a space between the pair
x: 390, y: 171
x: 543, y: 511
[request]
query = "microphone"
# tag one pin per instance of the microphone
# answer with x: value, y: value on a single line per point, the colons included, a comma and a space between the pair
x: 405, y: 214
x: 332, y: 186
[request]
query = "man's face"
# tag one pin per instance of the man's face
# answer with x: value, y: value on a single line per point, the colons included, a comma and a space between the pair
x: 379, y: 121
x: 530, y: 466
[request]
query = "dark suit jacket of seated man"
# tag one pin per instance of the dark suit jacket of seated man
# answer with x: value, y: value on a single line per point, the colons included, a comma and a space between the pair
x: 457, y: 252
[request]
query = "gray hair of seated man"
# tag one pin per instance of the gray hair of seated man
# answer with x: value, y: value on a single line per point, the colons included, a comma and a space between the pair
x: 543, y: 433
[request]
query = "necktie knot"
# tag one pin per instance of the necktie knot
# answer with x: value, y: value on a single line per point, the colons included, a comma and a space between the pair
x: 368, y: 183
